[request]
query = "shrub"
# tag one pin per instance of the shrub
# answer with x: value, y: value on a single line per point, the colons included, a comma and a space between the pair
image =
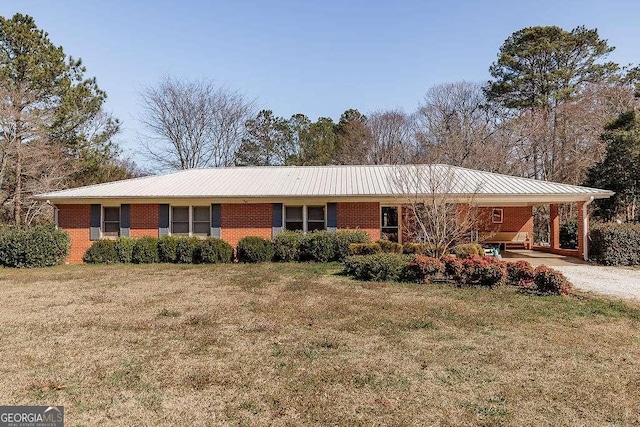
x: 287, y: 246
x: 519, y: 273
x: 167, y: 249
x: 476, y: 271
x: 452, y: 267
x: 615, y: 244
x: 364, y: 248
x: 255, y: 249
x: 467, y: 250
x: 145, y: 251
x: 342, y: 240
x: 389, y: 247
x: 423, y: 269
x: 124, y: 248
x: 102, y: 251
x: 420, y: 249
x: 318, y: 246
x: 213, y: 251
x: 548, y: 281
x: 378, y: 267
x: 569, y: 234
x: 40, y: 246
x: 185, y: 249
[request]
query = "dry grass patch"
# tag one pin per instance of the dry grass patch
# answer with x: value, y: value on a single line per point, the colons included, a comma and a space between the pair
x: 293, y: 344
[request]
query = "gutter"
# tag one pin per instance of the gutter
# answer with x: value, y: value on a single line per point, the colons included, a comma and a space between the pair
x: 585, y: 229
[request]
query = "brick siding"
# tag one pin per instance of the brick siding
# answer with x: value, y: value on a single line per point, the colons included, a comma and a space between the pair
x: 363, y: 216
x: 144, y: 220
x: 246, y: 219
x: 75, y: 220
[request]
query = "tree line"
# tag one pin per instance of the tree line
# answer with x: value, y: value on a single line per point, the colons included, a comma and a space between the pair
x: 555, y: 109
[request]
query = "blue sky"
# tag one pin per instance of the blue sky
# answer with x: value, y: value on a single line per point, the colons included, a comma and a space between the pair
x: 317, y: 58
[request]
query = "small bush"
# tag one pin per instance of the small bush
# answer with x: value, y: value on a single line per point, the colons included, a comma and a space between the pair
x: 318, y: 246
x: 102, y: 251
x: 185, y: 249
x: 255, y: 249
x: 213, y: 251
x: 420, y: 249
x: 41, y: 246
x: 389, y: 247
x: 467, y: 250
x: 287, y: 246
x: 569, y: 234
x: 452, y: 267
x: 615, y: 244
x: 167, y: 248
x: 378, y: 268
x: 342, y: 240
x: 145, y: 251
x: 548, y: 281
x: 422, y: 269
x: 364, y: 248
x: 124, y: 249
x: 519, y: 273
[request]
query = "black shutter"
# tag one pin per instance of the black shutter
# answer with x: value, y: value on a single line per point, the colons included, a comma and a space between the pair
x: 125, y: 220
x: 276, y: 222
x: 94, y: 224
x: 216, y: 219
x: 332, y: 216
x: 163, y: 220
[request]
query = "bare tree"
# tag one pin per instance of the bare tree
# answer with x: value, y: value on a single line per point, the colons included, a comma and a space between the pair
x: 440, y: 207
x: 391, y: 137
x: 457, y: 126
x: 191, y: 124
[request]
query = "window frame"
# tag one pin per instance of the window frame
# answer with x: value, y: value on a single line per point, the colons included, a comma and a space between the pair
x: 103, y: 221
x: 305, y: 216
x: 495, y: 211
x: 191, y: 221
x: 399, y: 226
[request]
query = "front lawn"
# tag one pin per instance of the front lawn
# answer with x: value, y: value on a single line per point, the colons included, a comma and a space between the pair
x: 293, y: 344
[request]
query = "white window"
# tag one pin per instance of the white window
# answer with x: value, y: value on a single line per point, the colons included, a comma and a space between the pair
x: 390, y: 229
x: 110, y: 221
x: 190, y: 220
x: 497, y: 216
x: 304, y: 218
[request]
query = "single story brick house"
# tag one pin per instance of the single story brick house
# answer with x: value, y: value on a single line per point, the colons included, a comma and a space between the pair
x: 231, y: 203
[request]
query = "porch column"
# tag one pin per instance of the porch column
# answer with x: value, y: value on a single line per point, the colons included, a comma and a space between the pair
x: 554, y: 227
x: 583, y: 230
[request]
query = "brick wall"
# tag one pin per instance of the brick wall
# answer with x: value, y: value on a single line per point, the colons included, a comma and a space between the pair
x: 75, y: 220
x: 365, y: 216
x: 246, y: 219
x: 144, y: 220
x: 518, y: 219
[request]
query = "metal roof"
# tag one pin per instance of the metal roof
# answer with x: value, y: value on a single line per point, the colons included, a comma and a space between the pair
x: 324, y: 181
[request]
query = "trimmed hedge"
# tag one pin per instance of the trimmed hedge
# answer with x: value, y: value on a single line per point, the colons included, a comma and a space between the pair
x: 615, y: 244
x: 378, y: 268
x: 364, y: 248
x: 342, y: 240
x: 390, y: 247
x: 287, y: 246
x: 124, y: 249
x: 213, y: 251
x: 145, y: 251
x: 167, y: 246
x: 423, y: 269
x: 41, y: 246
x: 253, y: 249
x: 318, y: 246
x: 102, y: 251
x: 468, y: 250
x: 419, y: 249
x: 185, y: 249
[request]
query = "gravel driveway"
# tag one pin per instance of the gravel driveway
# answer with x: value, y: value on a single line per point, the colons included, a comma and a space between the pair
x: 616, y: 281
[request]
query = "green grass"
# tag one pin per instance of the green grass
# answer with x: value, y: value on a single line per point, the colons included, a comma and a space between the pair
x: 299, y: 344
